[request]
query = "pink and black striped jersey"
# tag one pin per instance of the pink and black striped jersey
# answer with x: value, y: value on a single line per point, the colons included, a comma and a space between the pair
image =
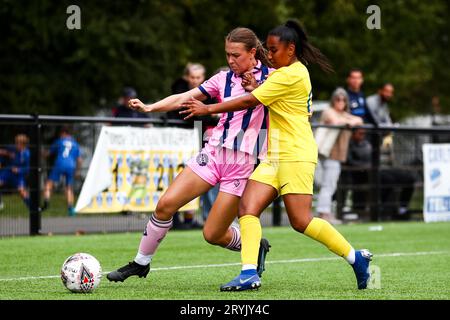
x: 244, y: 130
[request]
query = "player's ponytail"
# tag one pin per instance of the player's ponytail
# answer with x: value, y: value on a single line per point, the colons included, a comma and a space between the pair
x: 292, y: 32
x: 261, y: 54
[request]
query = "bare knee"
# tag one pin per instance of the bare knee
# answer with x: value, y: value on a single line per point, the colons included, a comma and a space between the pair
x: 301, y: 223
x: 212, y: 236
x: 244, y: 209
x: 165, y: 209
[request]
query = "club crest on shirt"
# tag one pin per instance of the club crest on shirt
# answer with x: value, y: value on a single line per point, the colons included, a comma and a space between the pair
x: 202, y: 159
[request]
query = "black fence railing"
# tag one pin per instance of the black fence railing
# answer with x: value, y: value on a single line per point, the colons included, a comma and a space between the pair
x: 392, y: 181
x: 350, y: 200
x: 41, y: 130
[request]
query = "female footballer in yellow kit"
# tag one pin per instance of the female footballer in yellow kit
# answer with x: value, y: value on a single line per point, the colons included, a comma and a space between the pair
x: 288, y: 169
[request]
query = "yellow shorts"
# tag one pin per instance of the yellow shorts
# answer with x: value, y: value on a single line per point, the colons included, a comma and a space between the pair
x: 286, y: 177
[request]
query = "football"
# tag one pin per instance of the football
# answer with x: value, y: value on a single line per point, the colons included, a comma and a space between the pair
x: 81, y: 272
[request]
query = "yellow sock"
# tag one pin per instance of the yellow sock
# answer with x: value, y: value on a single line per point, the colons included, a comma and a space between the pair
x: 250, y: 238
x: 322, y: 231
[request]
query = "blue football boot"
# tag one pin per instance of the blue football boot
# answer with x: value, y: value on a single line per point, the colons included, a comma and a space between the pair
x: 246, y: 280
x: 361, y: 267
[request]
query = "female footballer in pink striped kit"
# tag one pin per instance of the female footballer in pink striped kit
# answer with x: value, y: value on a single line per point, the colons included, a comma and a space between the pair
x: 228, y: 157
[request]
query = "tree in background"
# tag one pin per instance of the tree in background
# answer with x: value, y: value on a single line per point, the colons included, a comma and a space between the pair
x: 49, y: 69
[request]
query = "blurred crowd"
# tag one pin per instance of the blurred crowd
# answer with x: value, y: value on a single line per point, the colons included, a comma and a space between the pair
x: 346, y: 156
x: 353, y: 149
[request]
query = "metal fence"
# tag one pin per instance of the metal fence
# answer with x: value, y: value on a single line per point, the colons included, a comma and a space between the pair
x: 394, y: 179
x: 18, y: 219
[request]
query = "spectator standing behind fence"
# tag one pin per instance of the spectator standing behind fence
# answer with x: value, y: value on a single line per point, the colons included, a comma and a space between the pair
x: 181, y: 85
x: 360, y: 156
x: 193, y: 77
x: 121, y: 110
x: 438, y: 119
x: 357, y: 99
x: 15, y: 172
x: 67, y: 159
x: 330, y: 160
x: 377, y: 104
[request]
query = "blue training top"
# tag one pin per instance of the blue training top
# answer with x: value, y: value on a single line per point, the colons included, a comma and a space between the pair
x: 67, y: 152
x: 358, y: 107
x: 21, y: 160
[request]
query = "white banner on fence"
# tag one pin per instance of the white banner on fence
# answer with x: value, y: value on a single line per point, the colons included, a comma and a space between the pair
x: 132, y: 167
x: 436, y: 169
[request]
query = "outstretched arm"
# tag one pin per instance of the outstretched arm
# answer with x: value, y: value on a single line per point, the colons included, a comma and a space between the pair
x: 196, y: 108
x: 170, y: 103
x: 331, y: 117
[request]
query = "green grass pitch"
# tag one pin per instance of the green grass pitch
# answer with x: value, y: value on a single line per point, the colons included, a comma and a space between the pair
x: 413, y: 260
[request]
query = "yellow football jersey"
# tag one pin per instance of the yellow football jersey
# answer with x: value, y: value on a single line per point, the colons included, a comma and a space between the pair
x: 287, y: 93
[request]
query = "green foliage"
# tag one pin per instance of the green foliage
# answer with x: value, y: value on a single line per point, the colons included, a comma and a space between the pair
x: 49, y: 69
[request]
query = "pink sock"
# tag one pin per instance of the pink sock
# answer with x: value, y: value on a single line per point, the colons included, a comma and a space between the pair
x: 235, y: 243
x: 154, y: 232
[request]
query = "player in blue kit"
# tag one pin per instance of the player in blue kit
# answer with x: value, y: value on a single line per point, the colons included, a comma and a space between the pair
x: 17, y: 166
x: 67, y: 158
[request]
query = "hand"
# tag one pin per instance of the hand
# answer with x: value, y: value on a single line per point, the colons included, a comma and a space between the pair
x: 357, y: 122
x: 249, y: 82
x: 194, y: 108
x: 15, y: 170
x: 138, y: 105
x: 353, y: 122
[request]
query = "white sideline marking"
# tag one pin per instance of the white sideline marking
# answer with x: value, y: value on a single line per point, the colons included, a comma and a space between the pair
x: 383, y: 255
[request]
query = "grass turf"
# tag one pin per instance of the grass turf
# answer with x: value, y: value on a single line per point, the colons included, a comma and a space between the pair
x: 15, y: 207
x: 423, y: 273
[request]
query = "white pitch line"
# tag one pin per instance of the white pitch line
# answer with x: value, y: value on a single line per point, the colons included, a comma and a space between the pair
x: 382, y: 255
x: 30, y: 278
